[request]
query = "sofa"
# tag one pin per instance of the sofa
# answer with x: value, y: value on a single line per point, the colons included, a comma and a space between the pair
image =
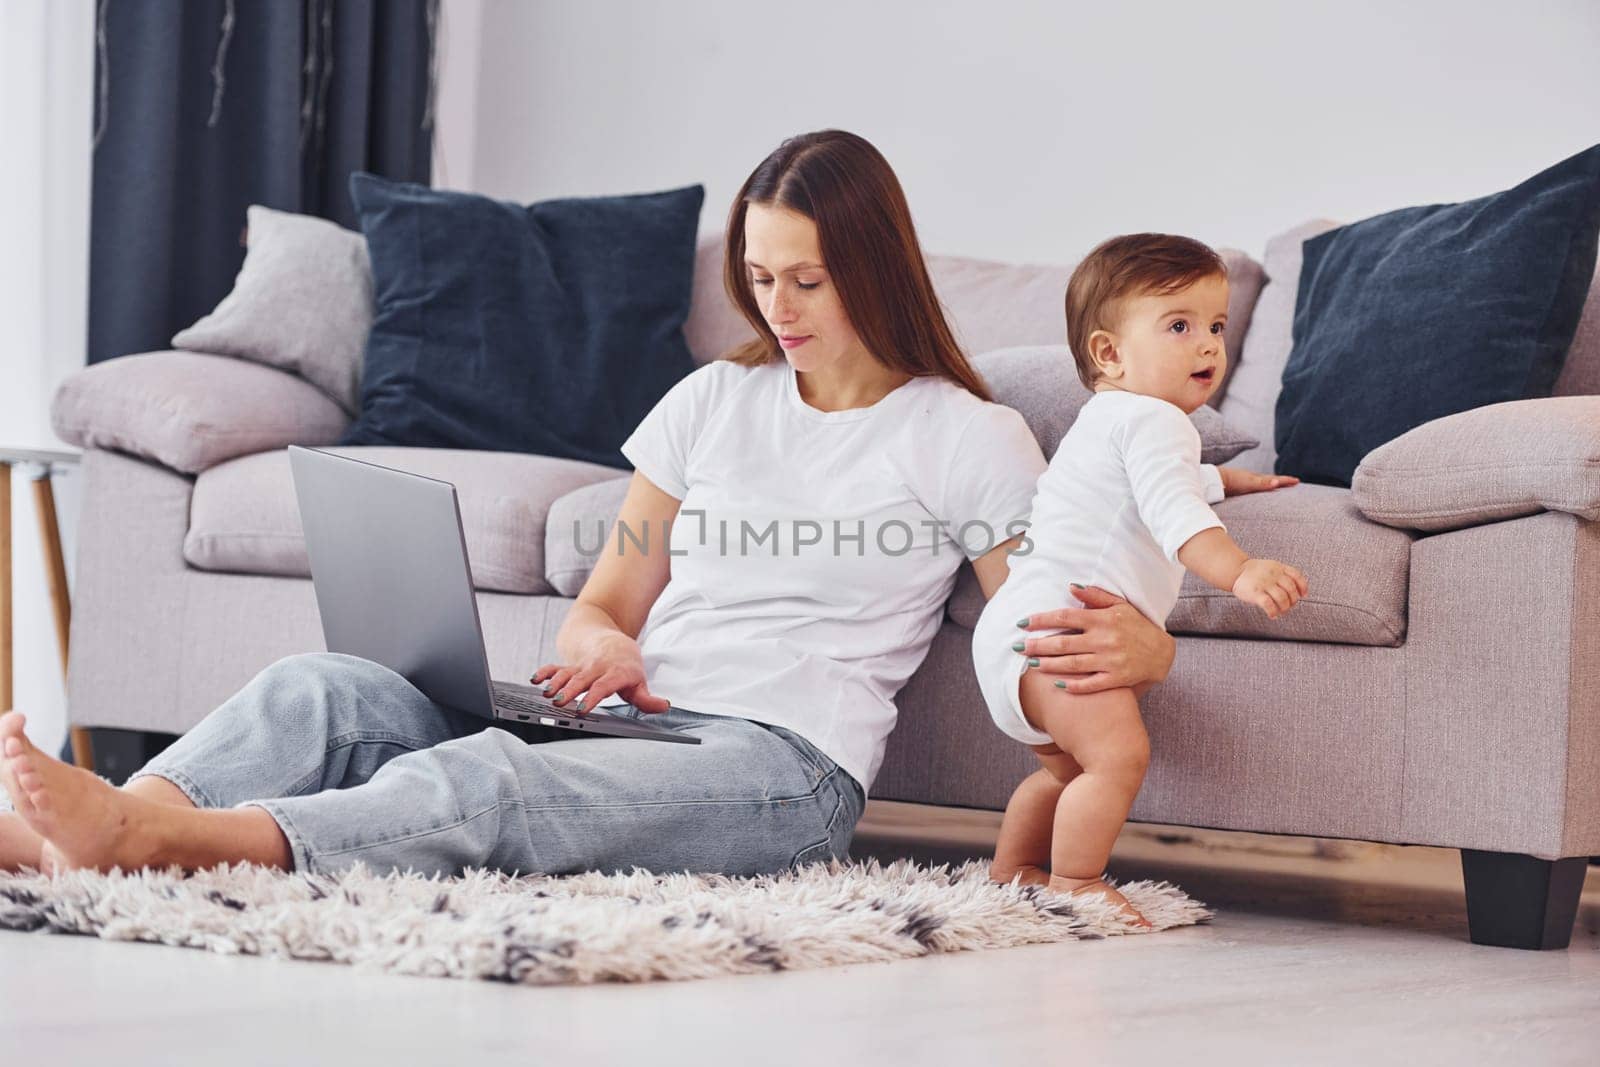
x: 1439, y: 686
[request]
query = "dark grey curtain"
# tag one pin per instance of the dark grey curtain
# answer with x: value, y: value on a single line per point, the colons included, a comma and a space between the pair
x: 204, y: 107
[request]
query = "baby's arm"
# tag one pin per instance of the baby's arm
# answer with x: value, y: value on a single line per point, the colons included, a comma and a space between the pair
x: 1161, y: 453
x: 1213, y: 556
x: 1271, y: 586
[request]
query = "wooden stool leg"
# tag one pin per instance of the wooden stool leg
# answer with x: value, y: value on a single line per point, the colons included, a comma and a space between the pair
x: 55, y: 567
x: 5, y: 587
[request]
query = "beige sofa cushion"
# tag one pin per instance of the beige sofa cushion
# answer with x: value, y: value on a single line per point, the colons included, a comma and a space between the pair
x: 1000, y: 305
x: 1491, y: 463
x: 243, y: 516
x: 578, y: 530
x: 1041, y: 383
x: 189, y: 411
x: 1357, y: 571
x: 991, y: 305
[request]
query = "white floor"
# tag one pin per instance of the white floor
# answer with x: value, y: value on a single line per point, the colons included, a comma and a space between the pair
x: 1321, y: 952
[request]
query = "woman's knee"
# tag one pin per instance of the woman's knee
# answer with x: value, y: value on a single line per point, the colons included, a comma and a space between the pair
x: 319, y: 671
x: 333, y: 665
x: 320, y: 685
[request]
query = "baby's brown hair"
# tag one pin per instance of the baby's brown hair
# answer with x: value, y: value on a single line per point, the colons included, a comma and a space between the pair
x: 1130, y: 265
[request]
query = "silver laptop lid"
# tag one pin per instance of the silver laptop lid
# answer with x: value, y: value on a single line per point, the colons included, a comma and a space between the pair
x: 389, y: 564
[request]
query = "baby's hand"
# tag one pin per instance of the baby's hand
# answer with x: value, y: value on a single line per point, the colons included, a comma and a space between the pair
x: 1271, y: 586
x: 1237, y: 482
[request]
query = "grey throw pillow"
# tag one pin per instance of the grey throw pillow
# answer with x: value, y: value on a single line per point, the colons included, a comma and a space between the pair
x: 302, y: 303
x: 1041, y: 382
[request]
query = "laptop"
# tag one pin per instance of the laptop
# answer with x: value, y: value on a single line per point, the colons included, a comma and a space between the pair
x: 389, y: 565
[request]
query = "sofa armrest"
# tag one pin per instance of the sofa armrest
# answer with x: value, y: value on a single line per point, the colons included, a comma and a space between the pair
x: 190, y: 411
x: 1496, y: 462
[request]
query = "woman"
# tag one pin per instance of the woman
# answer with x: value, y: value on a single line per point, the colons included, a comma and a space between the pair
x: 852, y: 419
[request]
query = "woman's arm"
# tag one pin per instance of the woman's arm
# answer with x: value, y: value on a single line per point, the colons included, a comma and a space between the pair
x: 598, y: 640
x: 1110, y: 646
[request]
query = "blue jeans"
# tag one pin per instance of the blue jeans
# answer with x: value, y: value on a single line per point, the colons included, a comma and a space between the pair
x: 355, y: 764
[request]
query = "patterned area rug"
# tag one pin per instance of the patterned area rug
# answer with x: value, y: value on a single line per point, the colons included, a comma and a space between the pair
x: 586, y: 928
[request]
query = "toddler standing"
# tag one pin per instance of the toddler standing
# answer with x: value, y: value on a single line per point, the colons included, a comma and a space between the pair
x: 1122, y: 506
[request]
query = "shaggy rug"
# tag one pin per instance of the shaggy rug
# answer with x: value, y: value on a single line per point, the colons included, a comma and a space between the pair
x: 585, y: 928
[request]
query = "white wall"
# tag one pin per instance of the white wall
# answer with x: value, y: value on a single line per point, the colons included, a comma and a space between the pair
x: 1026, y: 131
x: 46, y: 78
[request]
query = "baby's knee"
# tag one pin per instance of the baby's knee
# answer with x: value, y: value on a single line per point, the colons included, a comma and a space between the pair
x: 1135, y: 755
x: 1061, y: 774
x: 1123, y: 754
x: 1056, y: 764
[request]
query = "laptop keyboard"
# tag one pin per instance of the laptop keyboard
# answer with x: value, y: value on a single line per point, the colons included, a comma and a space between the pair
x: 513, y: 700
x: 518, y: 703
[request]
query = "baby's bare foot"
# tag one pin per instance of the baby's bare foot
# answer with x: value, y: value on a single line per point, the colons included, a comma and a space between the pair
x: 1094, y: 887
x: 84, y: 821
x: 1027, y: 874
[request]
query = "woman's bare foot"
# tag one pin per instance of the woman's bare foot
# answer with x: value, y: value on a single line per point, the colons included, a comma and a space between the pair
x: 1027, y: 874
x: 1094, y: 887
x: 83, y: 821
x: 19, y: 845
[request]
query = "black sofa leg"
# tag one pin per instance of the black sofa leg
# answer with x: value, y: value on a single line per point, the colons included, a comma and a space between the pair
x: 1519, y: 901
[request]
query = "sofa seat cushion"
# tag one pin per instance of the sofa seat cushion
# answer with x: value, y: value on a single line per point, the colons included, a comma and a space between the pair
x: 1357, y: 571
x: 243, y: 516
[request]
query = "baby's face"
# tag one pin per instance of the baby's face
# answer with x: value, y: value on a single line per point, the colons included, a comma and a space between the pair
x: 1170, y: 344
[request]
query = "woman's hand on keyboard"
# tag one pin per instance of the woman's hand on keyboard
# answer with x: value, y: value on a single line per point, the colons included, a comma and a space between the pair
x: 612, y: 664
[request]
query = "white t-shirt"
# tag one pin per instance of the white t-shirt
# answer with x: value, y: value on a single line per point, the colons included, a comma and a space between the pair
x: 1123, y: 492
x: 813, y: 551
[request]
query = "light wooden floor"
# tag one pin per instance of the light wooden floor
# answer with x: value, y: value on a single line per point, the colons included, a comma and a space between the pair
x: 1322, y: 952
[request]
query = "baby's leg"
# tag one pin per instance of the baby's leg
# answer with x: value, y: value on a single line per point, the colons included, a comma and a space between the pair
x: 1024, y: 845
x: 1105, y: 735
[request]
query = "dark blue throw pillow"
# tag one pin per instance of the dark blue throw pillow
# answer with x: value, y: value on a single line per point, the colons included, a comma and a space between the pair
x: 552, y: 328
x: 1429, y: 311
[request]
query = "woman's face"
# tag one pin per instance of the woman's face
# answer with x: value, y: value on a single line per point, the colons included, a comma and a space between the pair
x: 783, y: 260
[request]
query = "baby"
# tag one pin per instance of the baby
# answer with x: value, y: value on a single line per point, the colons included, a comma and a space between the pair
x: 1122, y: 506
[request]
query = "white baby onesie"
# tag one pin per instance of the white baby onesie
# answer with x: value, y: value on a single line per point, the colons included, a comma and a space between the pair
x: 1122, y: 494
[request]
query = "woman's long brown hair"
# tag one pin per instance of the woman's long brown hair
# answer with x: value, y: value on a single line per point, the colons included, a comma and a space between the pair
x: 869, y: 246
